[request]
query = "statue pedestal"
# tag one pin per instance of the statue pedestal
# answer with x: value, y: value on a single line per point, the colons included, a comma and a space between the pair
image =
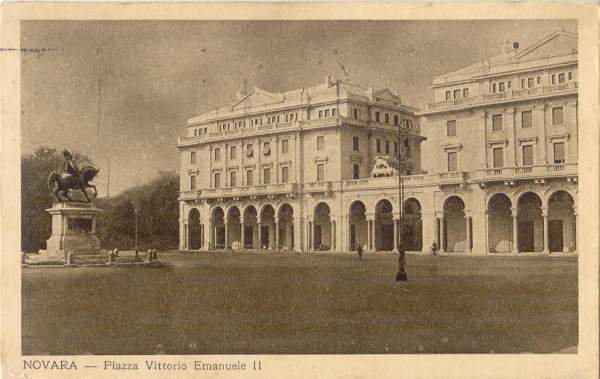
x: 73, y: 230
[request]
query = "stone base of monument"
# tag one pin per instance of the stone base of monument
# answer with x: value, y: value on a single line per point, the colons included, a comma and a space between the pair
x: 73, y: 242
x: 73, y: 231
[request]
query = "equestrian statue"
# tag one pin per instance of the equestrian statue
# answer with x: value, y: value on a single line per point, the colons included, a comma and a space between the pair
x: 72, y: 178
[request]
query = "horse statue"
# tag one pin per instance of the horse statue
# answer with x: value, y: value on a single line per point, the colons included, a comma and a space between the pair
x: 62, y: 183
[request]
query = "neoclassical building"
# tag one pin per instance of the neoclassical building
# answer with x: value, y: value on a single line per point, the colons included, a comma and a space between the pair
x: 490, y: 165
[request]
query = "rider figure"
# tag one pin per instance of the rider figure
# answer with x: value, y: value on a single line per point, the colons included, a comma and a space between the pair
x: 69, y: 165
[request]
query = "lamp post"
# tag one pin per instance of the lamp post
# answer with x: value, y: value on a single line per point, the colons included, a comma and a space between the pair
x: 401, y: 276
x: 135, y: 210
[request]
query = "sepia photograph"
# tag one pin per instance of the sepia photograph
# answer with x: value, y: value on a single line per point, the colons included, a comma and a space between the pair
x: 230, y: 189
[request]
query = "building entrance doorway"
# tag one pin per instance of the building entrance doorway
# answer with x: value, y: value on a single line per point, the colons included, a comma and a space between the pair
x: 248, y: 237
x: 387, y: 237
x: 318, y: 241
x: 264, y: 236
x: 526, y: 241
x: 555, y: 231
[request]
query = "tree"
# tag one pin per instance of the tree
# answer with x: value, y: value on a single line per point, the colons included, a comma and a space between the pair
x: 158, y: 214
x: 36, y: 196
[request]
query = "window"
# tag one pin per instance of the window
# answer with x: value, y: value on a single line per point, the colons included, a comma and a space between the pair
x: 570, y: 75
x: 526, y: 121
x: 539, y: 80
x: 378, y: 145
x: 267, y: 175
x: 355, y: 144
x: 457, y: 94
x: 267, y: 148
x: 406, y: 148
x: 217, y: 179
x: 559, y: 152
x: 557, y: 116
x: 320, y: 172
x: 320, y: 114
x: 232, y: 179
x: 529, y: 82
x: 333, y: 113
x: 326, y: 113
x: 522, y: 83
x: 501, y: 87
x: 465, y: 92
x: 193, y: 157
x: 278, y: 119
x: 448, y: 95
x: 452, y: 166
x: 494, y: 87
x: 386, y: 117
x: 284, y: 146
x: 561, y: 77
x: 320, y: 142
x: 377, y: 117
x: 498, y: 156
x: 387, y: 147
x: 496, y: 122
x: 249, y: 151
x: 233, y: 152
x: 508, y: 84
x: 205, y: 130
x: 285, y: 174
x: 217, y: 154
x: 527, y: 155
x: 192, y: 182
x: 395, y: 147
x: 356, y: 171
x: 355, y: 112
x: 249, y: 177
x: 553, y: 79
x: 396, y: 119
x: 451, y: 128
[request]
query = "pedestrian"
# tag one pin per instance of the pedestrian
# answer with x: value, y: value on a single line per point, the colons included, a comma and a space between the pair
x: 359, y: 251
x: 401, y: 276
x: 434, y: 248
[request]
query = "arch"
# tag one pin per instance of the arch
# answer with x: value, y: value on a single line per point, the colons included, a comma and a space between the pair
x: 233, y: 211
x: 322, y: 238
x: 500, y: 223
x: 357, y: 225
x: 217, y: 212
x: 522, y: 192
x: 384, y: 225
x: 455, y: 227
x: 561, y: 222
x: 194, y: 230
x: 285, y: 236
x: 530, y: 223
x: 490, y: 195
x: 412, y: 232
x: 551, y: 191
x: 322, y: 204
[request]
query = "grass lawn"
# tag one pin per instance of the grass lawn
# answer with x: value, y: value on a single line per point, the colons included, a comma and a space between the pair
x: 230, y: 303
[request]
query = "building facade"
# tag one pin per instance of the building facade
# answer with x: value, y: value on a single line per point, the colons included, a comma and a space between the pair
x: 490, y: 164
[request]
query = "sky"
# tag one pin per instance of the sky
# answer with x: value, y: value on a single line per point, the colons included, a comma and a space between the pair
x: 155, y: 75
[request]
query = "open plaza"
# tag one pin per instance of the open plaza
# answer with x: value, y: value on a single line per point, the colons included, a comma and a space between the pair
x: 261, y: 303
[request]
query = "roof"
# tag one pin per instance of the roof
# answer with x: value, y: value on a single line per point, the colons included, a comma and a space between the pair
x: 259, y: 100
x: 557, y: 47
